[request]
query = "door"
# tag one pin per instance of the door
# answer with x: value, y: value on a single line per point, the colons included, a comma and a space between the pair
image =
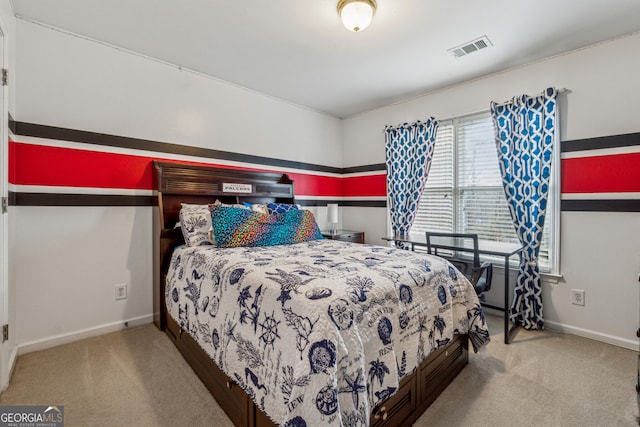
x: 638, y: 378
x: 6, y: 347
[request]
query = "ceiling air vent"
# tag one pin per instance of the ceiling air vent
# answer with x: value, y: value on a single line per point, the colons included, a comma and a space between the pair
x: 470, y: 47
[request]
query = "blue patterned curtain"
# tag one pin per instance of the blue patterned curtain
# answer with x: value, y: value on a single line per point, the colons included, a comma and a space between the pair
x: 409, y: 150
x: 525, y: 130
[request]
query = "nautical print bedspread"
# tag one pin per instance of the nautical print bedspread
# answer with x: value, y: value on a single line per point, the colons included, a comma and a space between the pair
x: 318, y: 333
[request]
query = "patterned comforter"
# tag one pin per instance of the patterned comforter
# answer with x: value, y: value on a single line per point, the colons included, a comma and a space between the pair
x: 318, y: 332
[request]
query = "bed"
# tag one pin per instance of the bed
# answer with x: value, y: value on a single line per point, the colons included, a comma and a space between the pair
x: 308, y: 333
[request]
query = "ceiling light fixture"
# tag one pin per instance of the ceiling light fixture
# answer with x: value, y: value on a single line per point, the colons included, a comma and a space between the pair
x: 356, y: 15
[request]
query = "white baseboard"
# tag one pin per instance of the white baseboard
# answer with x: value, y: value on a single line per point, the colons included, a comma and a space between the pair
x: 11, y: 364
x: 12, y: 361
x: 597, y: 336
x: 586, y: 333
x: 57, y: 340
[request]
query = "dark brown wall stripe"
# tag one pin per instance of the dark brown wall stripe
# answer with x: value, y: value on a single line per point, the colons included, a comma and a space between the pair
x: 364, y: 203
x: 597, y: 205
x: 379, y: 167
x: 350, y: 203
x: 54, y: 199
x: 12, y: 124
x: 614, y: 141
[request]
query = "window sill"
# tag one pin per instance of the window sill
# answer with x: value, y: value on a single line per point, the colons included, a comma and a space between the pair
x: 550, y: 278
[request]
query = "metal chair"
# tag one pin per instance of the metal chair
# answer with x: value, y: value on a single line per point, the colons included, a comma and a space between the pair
x: 480, y: 275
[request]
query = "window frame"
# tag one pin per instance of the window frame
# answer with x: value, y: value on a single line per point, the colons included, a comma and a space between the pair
x: 552, y: 220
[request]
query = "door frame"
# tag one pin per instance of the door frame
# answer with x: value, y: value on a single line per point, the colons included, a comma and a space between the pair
x: 7, y: 348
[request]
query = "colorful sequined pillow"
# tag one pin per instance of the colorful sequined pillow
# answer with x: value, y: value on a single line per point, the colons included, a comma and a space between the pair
x: 195, y: 222
x: 275, y: 208
x: 233, y: 227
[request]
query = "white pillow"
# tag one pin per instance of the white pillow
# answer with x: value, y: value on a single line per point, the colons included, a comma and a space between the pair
x: 195, y: 221
x: 231, y: 205
x: 260, y: 208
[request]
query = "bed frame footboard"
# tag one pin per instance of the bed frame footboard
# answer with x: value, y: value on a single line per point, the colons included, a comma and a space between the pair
x: 416, y: 393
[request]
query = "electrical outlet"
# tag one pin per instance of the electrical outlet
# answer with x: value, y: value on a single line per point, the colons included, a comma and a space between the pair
x: 121, y: 291
x: 577, y: 296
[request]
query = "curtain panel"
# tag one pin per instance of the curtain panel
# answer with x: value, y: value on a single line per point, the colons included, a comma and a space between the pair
x: 409, y: 150
x: 525, y: 130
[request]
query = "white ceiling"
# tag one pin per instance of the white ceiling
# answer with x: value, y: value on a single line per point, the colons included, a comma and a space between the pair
x: 298, y: 50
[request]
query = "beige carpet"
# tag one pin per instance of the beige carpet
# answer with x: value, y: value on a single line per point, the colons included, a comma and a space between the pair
x: 136, y: 377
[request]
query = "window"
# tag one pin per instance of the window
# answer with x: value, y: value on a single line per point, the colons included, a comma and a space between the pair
x: 464, y: 191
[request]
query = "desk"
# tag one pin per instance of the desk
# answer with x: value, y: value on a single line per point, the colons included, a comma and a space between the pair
x: 443, y: 244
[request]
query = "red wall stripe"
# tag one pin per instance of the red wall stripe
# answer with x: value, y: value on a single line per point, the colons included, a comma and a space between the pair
x: 601, y: 174
x: 368, y: 185
x: 55, y: 166
x: 42, y: 165
x: 314, y: 185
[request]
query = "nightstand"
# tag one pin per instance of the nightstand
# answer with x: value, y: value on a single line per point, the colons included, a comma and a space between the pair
x: 345, y: 235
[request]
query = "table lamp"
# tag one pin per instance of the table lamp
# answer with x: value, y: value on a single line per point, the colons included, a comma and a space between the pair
x: 333, y: 216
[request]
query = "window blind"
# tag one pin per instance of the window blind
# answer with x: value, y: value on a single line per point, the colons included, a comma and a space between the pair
x: 464, y: 193
x: 436, y: 211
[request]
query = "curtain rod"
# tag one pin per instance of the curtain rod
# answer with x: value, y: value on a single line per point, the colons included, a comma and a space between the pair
x: 473, y: 113
x: 486, y: 110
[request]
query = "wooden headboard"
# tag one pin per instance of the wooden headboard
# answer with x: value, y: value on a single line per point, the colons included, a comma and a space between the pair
x: 178, y: 183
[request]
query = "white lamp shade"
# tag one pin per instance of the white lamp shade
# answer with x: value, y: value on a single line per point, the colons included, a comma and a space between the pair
x: 357, y: 15
x: 333, y: 212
